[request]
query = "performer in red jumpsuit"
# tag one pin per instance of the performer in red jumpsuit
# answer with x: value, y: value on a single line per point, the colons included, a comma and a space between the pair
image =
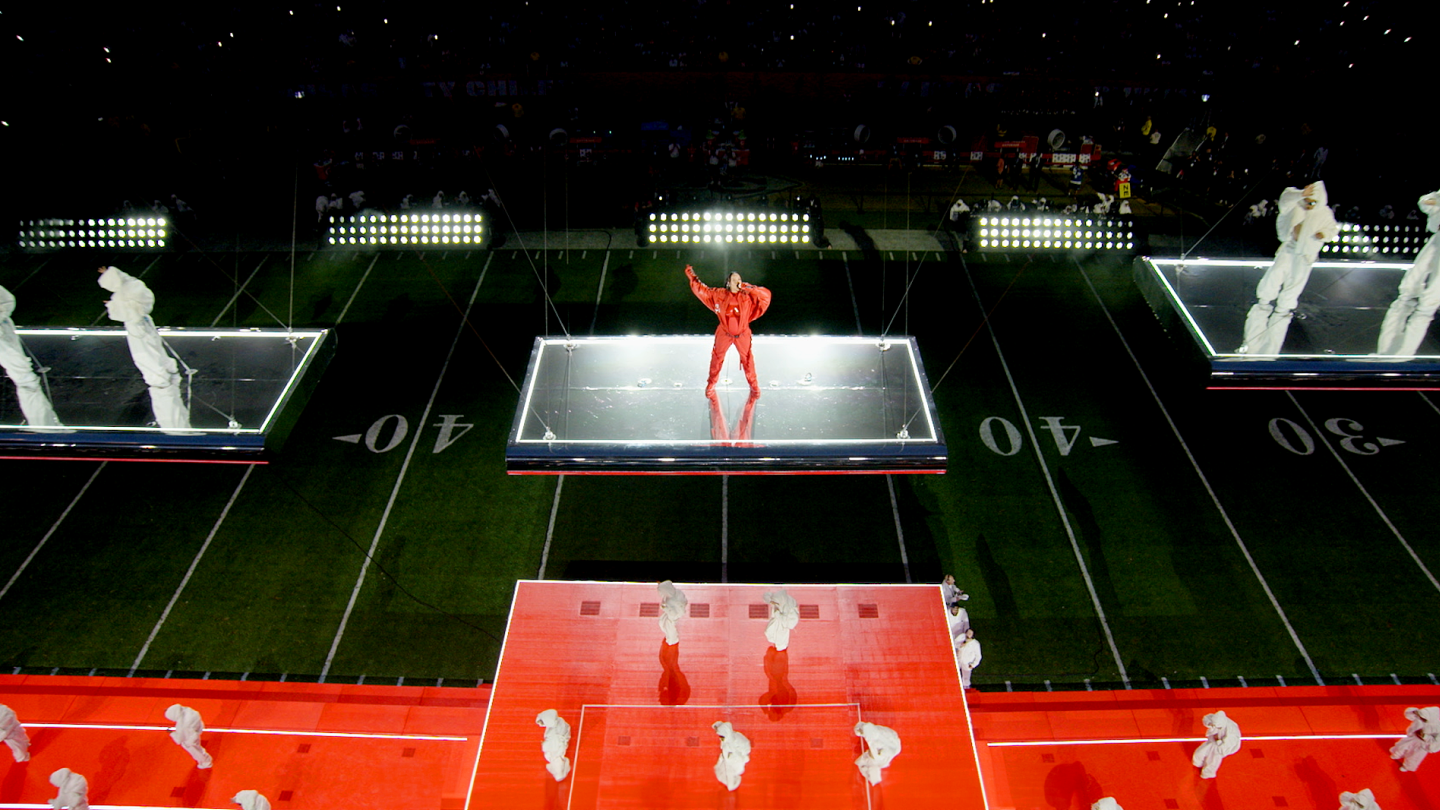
x: 736, y: 304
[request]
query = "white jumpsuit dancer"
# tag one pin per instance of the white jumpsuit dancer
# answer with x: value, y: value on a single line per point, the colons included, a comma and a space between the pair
x: 187, y: 731
x: 14, y: 734
x: 131, y: 305
x: 1304, y: 224
x: 881, y: 746
x: 784, y: 615
x: 1408, y: 318
x: 1222, y: 738
x: 734, y: 754
x: 672, y: 609
x: 33, y: 402
x: 555, y: 744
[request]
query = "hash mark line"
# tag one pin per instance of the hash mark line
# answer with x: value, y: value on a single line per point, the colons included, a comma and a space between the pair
x: 195, y: 563
x: 550, y: 530
x: 1363, y: 491
x: 46, y: 538
x: 357, y: 289
x: 1049, y: 481
x: 899, y: 532
x: 724, y: 528
x: 400, y: 479
x: 599, y: 291
x: 1195, y: 465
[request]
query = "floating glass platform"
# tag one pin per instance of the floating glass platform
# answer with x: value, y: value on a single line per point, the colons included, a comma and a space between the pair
x: 617, y: 405
x: 246, y: 391
x: 1333, y: 341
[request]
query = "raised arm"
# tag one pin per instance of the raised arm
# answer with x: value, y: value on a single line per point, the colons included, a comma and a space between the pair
x: 704, y: 293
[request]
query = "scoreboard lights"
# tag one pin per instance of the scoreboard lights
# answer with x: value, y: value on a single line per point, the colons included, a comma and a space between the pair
x: 749, y: 227
x: 123, y: 232
x: 407, y: 229
x: 1057, y: 233
x: 1378, y: 240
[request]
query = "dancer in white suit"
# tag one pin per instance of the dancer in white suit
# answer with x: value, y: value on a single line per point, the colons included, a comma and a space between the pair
x: 734, y: 754
x: 672, y: 610
x: 186, y: 733
x: 1408, y: 319
x: 1304, y: 224
x: 131, y: 304
x: 555, y: 744
x: 14, y: 734
x: 251, y: 800
x: 33, y: 403
x: 1421, y: 738
x: 1222, y: 738
x: 74, y: 790
x: 881, y: 746
x: 1363, y: 800
x: 784, y: 615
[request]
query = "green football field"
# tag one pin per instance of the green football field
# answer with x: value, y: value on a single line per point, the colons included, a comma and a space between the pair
x: 1113, y: 522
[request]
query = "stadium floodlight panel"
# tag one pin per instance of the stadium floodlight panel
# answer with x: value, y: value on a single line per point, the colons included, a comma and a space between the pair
x: 1376, y: 240
x: 733, y: 227
x: 1057, y: 232
x: 375, y: 229
x: 126, y: 232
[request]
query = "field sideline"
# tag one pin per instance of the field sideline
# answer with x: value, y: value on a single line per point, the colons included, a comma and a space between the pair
x: 1113, y: 523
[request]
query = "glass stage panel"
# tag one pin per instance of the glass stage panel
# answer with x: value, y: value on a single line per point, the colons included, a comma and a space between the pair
x: 637, y: 405
x: 246, y: 391
x: 1339, y: 337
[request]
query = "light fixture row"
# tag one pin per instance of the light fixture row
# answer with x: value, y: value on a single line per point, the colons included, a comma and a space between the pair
x: 728, y: 216
x: 728, y: 227
x: 1057, y: 222
x: 362, y: 219
x: 119, y: 232
x: 1057, y: 244
x: 408, y: 239
x: 751, y: 238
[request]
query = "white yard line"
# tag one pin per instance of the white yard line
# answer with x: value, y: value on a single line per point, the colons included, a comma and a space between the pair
x: 1363, y: 491
x: 1215, y: 499
x: 357, y: 289
x: 1050, y: 482
x: 400, y: 479
x: 238, y: 292
x: 599, y: 291
x: 550, y: 530
x: 191, y: 570
x: 56, y: 525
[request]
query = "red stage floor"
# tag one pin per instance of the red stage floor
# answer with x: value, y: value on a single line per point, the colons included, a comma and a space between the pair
x: 1302, y: 746
x: 302, y: 745
x: 641, y: 712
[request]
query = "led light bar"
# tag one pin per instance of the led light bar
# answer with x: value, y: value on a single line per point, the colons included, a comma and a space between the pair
x: 375, y: 230
x: 735, y: 227
x: 1377, y: 240
x: 110, y: 232
x: 1058, y: 232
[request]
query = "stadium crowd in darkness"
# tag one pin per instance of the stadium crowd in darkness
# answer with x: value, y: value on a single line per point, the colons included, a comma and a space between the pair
x: 371, y: 77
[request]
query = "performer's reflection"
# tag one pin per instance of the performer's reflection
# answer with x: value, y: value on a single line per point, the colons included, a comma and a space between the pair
x: 1408, y: 319
x: 674, y: 688
x: 720, y: 431
x: 34, y: 404
x: 780, y: 698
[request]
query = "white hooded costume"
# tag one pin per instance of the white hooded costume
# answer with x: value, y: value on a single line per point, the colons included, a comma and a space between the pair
x: 1302, y: 232
x: 1222, y: 738
x: 1106, y: 803
x: 967, y: 655
x: 14, y: 734
x: 1421, y: 738
x: 959, y: 623
x: 555, y: 744
x: 131, y: 305
x: 881, y: 746
x: 1364, y: 800
x: 784, y: 615
x: 74, y: 790
x: 187, y: 731
x: 672, y: 609
x: 251, y: 800
x: 33, y: 402
x: 1408, y: 319
x: 734, y: 755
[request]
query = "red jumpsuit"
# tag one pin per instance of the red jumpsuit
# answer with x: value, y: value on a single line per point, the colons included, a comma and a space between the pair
x: 736, y: 310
